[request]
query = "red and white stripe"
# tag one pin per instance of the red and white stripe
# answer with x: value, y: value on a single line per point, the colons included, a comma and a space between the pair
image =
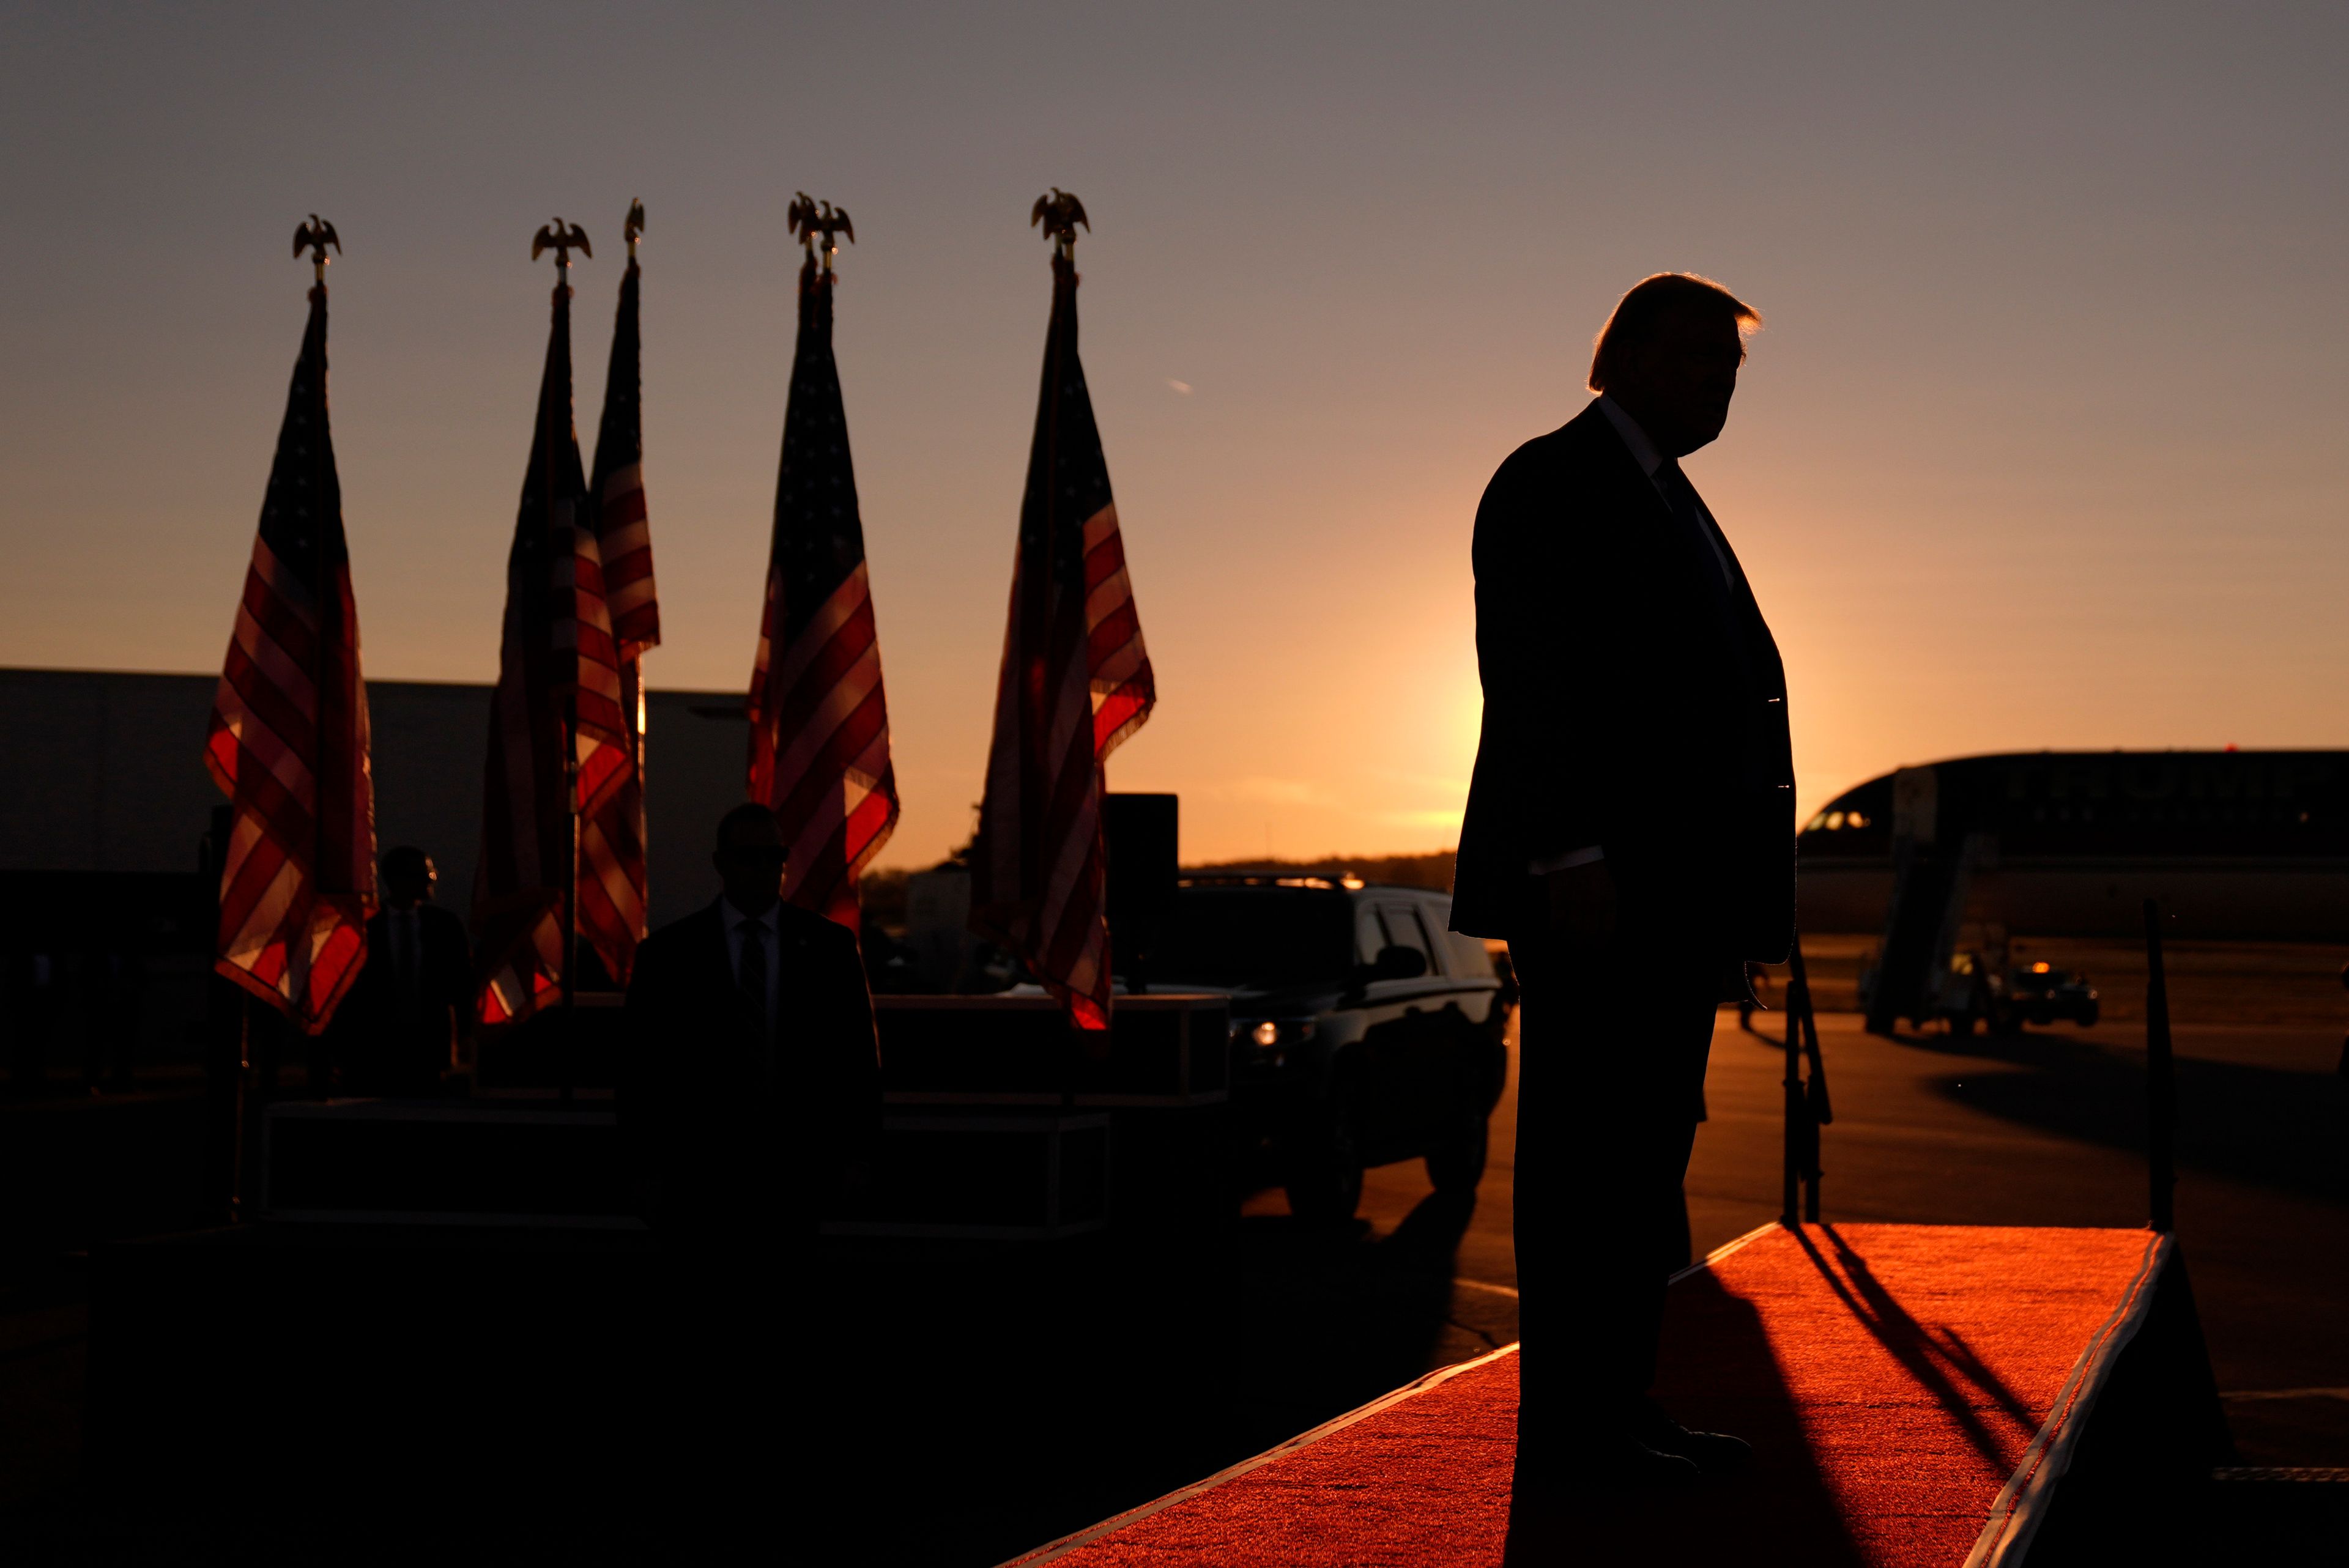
x: 297, y: 880
x: 627, y: 538
x: 1095, y: 688
x: 527, y: 848
x: 612, y: 878
x: 820, y: 745
x: 587, y: 664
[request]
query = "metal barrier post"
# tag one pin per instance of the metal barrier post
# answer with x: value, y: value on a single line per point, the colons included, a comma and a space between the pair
x: 1797, y: 1113
x: 2160, y: 1080
x: 1817, y: 1110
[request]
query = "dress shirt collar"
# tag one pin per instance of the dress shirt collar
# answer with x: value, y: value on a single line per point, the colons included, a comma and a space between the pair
x: 1643, y: 451
x: 736, y: 920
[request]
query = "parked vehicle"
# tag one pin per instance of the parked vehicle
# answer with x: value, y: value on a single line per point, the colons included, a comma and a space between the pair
x: 1364, y: 1032
x: 1977, y: 995
x: 2041, y: 994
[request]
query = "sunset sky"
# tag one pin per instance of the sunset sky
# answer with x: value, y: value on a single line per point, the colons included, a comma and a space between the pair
x: 2042, y: 446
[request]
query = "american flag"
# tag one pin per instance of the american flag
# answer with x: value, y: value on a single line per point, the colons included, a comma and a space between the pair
x: 819, y: 720
x: 557, y: 664
x: 1076, y: 682
x: 612, y: 840
x: 288, y: 743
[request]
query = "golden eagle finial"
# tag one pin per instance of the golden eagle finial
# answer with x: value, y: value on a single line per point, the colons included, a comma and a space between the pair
x: 561, y: 239
x: 315, y: 236
x: 810, y: 218
x: 1058, y: 215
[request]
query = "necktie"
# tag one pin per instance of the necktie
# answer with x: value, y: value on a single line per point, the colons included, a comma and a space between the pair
x: 752, y: 972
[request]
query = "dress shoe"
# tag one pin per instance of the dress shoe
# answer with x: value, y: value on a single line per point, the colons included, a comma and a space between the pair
x: 1620, y: 1460
x: 1712, y: 1453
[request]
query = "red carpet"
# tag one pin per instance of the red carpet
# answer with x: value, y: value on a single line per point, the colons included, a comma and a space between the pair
x: 1913, y: 1393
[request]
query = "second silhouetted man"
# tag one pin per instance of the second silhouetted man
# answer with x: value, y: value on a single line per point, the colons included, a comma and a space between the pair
x: 751, y: 1085
x: 750, y: 1090
x: 401, y: 1030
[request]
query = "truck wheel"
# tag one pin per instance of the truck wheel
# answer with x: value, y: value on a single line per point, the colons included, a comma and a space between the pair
x: 1962, y: 1022
x: 1458, y: 1166
x: 2089, y: 1015
x: 1324, y: 1178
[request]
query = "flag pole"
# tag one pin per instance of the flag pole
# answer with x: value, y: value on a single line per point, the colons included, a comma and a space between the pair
x: 632, y: 670
x: 317, y: 234
x: 561, y: 238
x: 1061, y: 229
x: 230, y: 1010
x: 568, y: 1047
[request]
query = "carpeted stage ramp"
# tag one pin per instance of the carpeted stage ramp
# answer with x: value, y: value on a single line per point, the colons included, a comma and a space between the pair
x: 1916, y: 1394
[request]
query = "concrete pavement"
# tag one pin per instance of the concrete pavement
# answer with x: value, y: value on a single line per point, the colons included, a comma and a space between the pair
x: 968, y: 1403
x: 2045, y: 1128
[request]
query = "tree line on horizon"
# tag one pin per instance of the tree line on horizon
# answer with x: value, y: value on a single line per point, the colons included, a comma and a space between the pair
x: 883, y: 891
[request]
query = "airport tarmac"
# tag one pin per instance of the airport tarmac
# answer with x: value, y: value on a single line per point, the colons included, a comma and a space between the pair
x: 1224, y: 1352
x: 2044, y: 1127
x: 963, y: 1404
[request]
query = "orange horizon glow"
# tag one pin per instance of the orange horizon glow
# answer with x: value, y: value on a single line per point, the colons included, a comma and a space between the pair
x: 2040, y: 449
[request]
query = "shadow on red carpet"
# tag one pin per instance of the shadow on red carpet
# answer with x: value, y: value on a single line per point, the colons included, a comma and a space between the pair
x: 1721, y: 1376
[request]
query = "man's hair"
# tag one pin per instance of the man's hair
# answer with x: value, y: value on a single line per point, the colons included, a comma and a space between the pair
x: 1651, y: 302
x: 404, y: 860
x: 742, y: 816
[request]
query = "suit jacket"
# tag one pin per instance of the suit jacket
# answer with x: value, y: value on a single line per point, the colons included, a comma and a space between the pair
x: 392, y: 1032
x: 1629, y: 704
x: 731, y: 1127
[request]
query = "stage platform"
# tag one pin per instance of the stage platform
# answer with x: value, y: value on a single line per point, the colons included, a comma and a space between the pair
x: 1916, y: 1394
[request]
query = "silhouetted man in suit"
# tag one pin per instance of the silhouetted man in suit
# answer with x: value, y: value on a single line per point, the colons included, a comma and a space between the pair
x: 1631, y: 831
x: 411, y: 1007
x: 752, y: 1083
x: 750, y: 1087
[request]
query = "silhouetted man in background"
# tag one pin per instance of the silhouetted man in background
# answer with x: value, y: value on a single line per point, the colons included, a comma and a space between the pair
x: 751, y: 1084
x: 1631, y: 831
x: 750, y: 1087
x: 400, y: 1031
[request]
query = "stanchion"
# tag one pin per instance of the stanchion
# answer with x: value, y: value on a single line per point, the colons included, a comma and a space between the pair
x: 1807, y: 1108
x: 1792, y: 1161
x: 1818, y: 1112
x: 2160, y: 1080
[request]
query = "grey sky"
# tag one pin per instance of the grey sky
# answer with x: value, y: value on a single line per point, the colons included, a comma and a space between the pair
x: 2041, y: 447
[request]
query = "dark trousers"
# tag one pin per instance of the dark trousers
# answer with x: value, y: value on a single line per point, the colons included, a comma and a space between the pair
x: 390, y: 1051
x: 721, y: 1456
x: 1610, y: 1080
